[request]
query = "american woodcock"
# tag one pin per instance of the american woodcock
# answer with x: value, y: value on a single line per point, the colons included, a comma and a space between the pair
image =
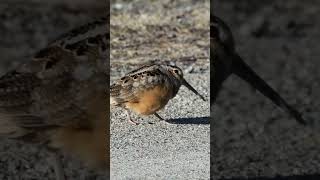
x: 225, y: 61
x: 59, y: 98
x: 148, y: 89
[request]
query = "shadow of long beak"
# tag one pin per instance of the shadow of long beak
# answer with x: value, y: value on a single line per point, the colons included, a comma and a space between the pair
x: 185, y: 83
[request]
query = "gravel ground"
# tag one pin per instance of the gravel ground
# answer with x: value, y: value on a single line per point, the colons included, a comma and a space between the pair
x: 25, y: 28
x: 166, y: 31
x: 252, y: 137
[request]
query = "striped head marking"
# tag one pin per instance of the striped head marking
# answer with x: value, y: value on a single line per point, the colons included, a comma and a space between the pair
x: 175, y: 71
x: 178, y: 75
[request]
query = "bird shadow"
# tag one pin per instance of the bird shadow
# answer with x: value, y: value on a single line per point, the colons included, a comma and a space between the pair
x: 196, y: 120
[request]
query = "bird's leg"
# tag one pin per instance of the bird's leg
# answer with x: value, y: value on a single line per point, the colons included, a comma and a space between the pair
x: 158, y: 116
x: 57, y: 165
x: 130, y: 119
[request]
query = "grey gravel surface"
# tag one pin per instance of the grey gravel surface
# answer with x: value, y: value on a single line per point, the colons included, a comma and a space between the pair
x: 25, y: 28
x: 251, y: 136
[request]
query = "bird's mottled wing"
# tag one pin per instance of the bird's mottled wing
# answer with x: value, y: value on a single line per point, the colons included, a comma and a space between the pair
x: 127, y: 88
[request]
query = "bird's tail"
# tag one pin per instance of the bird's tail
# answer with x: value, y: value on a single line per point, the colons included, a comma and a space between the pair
x: 241, y: 69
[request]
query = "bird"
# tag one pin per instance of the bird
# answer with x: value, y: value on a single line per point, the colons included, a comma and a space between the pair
x: 148, y: 89
x: 57, y: 99
x: 226, y: 61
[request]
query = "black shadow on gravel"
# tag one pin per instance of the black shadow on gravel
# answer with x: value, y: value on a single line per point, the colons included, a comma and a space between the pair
x: 198, y: 120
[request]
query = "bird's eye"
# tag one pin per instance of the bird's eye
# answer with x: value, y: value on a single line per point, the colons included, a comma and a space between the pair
x: 176, y: 71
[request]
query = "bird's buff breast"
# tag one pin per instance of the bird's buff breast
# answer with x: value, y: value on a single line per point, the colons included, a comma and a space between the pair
x: 151, y: 100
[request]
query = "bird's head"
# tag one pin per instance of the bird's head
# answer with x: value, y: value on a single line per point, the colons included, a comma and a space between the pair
x: 178, y: 74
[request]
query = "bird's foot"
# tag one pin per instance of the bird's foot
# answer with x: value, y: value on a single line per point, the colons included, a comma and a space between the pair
x: 133, y: 122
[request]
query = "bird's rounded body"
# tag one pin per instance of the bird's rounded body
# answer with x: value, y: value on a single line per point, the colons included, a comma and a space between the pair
x: 151, y: 100
x: 148, y: 89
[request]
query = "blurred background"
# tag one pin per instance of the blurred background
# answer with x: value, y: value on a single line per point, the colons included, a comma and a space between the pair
x: 252, y: 137
x: 144, y: 31
x: 26, y: 26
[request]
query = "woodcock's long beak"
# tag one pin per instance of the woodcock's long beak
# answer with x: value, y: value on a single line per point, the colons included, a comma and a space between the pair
x: 185, y: 83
